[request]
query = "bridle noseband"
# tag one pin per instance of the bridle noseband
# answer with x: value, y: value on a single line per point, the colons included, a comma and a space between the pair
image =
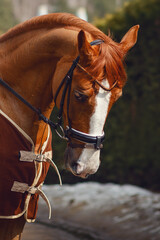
x: 86, y: 140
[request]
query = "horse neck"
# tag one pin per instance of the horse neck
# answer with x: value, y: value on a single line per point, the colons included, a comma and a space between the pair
x: 28, y: 64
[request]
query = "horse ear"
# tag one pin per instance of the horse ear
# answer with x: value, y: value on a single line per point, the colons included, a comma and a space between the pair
x: 129, y: 39
x: 84, y: 47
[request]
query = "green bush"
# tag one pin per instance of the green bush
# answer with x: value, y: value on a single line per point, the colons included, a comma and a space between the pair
x: 132, y: 149
x: 7, y: 19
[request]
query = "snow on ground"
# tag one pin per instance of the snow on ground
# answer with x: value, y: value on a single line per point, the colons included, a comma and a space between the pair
x: 120, y: 211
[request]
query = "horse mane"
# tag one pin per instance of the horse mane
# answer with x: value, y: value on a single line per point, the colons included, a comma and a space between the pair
x: 110, y: 55
x: 50, y: 21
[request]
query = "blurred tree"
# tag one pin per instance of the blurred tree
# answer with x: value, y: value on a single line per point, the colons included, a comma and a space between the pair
x: 61, y: 6
x: 132, y: 153
x: 99, y: 9
x: 95, y: 8
x: 7, y: 19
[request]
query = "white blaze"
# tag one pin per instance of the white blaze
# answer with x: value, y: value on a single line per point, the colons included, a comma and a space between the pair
x: 90, y: 157
x: 99, y: 116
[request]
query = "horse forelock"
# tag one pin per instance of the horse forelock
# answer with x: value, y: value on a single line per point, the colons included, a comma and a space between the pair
x: 108, y: 64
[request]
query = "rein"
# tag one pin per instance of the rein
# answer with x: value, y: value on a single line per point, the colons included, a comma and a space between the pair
x: 36, y: 110
x: 88, y: 140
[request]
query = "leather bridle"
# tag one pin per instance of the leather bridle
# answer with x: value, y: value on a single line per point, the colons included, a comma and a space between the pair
x: 86, y: 140
x: 89, y: 141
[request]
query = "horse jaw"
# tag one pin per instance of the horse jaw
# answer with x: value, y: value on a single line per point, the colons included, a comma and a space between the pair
x: 87, y: 161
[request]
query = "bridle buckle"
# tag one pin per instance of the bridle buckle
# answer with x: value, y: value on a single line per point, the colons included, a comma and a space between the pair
x: 61, y: 132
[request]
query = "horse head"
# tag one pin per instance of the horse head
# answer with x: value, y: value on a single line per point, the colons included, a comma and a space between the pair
x: 98, y: 77
x: 49, y: 44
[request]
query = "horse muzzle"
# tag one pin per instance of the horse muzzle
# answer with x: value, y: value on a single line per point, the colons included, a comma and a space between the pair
x: 82, y: 162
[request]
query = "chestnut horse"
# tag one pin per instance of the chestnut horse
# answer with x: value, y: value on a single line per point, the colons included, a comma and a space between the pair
x: 35, y: 57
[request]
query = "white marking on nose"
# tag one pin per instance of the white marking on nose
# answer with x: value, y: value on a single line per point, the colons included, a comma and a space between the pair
x: 90, y: 157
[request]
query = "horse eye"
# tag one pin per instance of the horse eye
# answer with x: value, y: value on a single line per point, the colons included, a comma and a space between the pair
x: 80, y: 96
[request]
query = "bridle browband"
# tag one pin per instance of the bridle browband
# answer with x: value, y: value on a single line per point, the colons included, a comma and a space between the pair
x: 96, y: 81
x: 89, y: 141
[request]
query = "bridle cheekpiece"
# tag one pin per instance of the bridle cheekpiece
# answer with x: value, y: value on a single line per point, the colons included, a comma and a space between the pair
x: 87, y: 140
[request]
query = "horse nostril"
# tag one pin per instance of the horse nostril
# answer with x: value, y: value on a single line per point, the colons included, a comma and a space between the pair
x: 87, y: 175
x: 74, y: 167
x: 78, y: 168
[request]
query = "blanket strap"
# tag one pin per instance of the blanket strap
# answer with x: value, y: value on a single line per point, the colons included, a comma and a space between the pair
x: 23, y: 187
x: 27, y: 156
